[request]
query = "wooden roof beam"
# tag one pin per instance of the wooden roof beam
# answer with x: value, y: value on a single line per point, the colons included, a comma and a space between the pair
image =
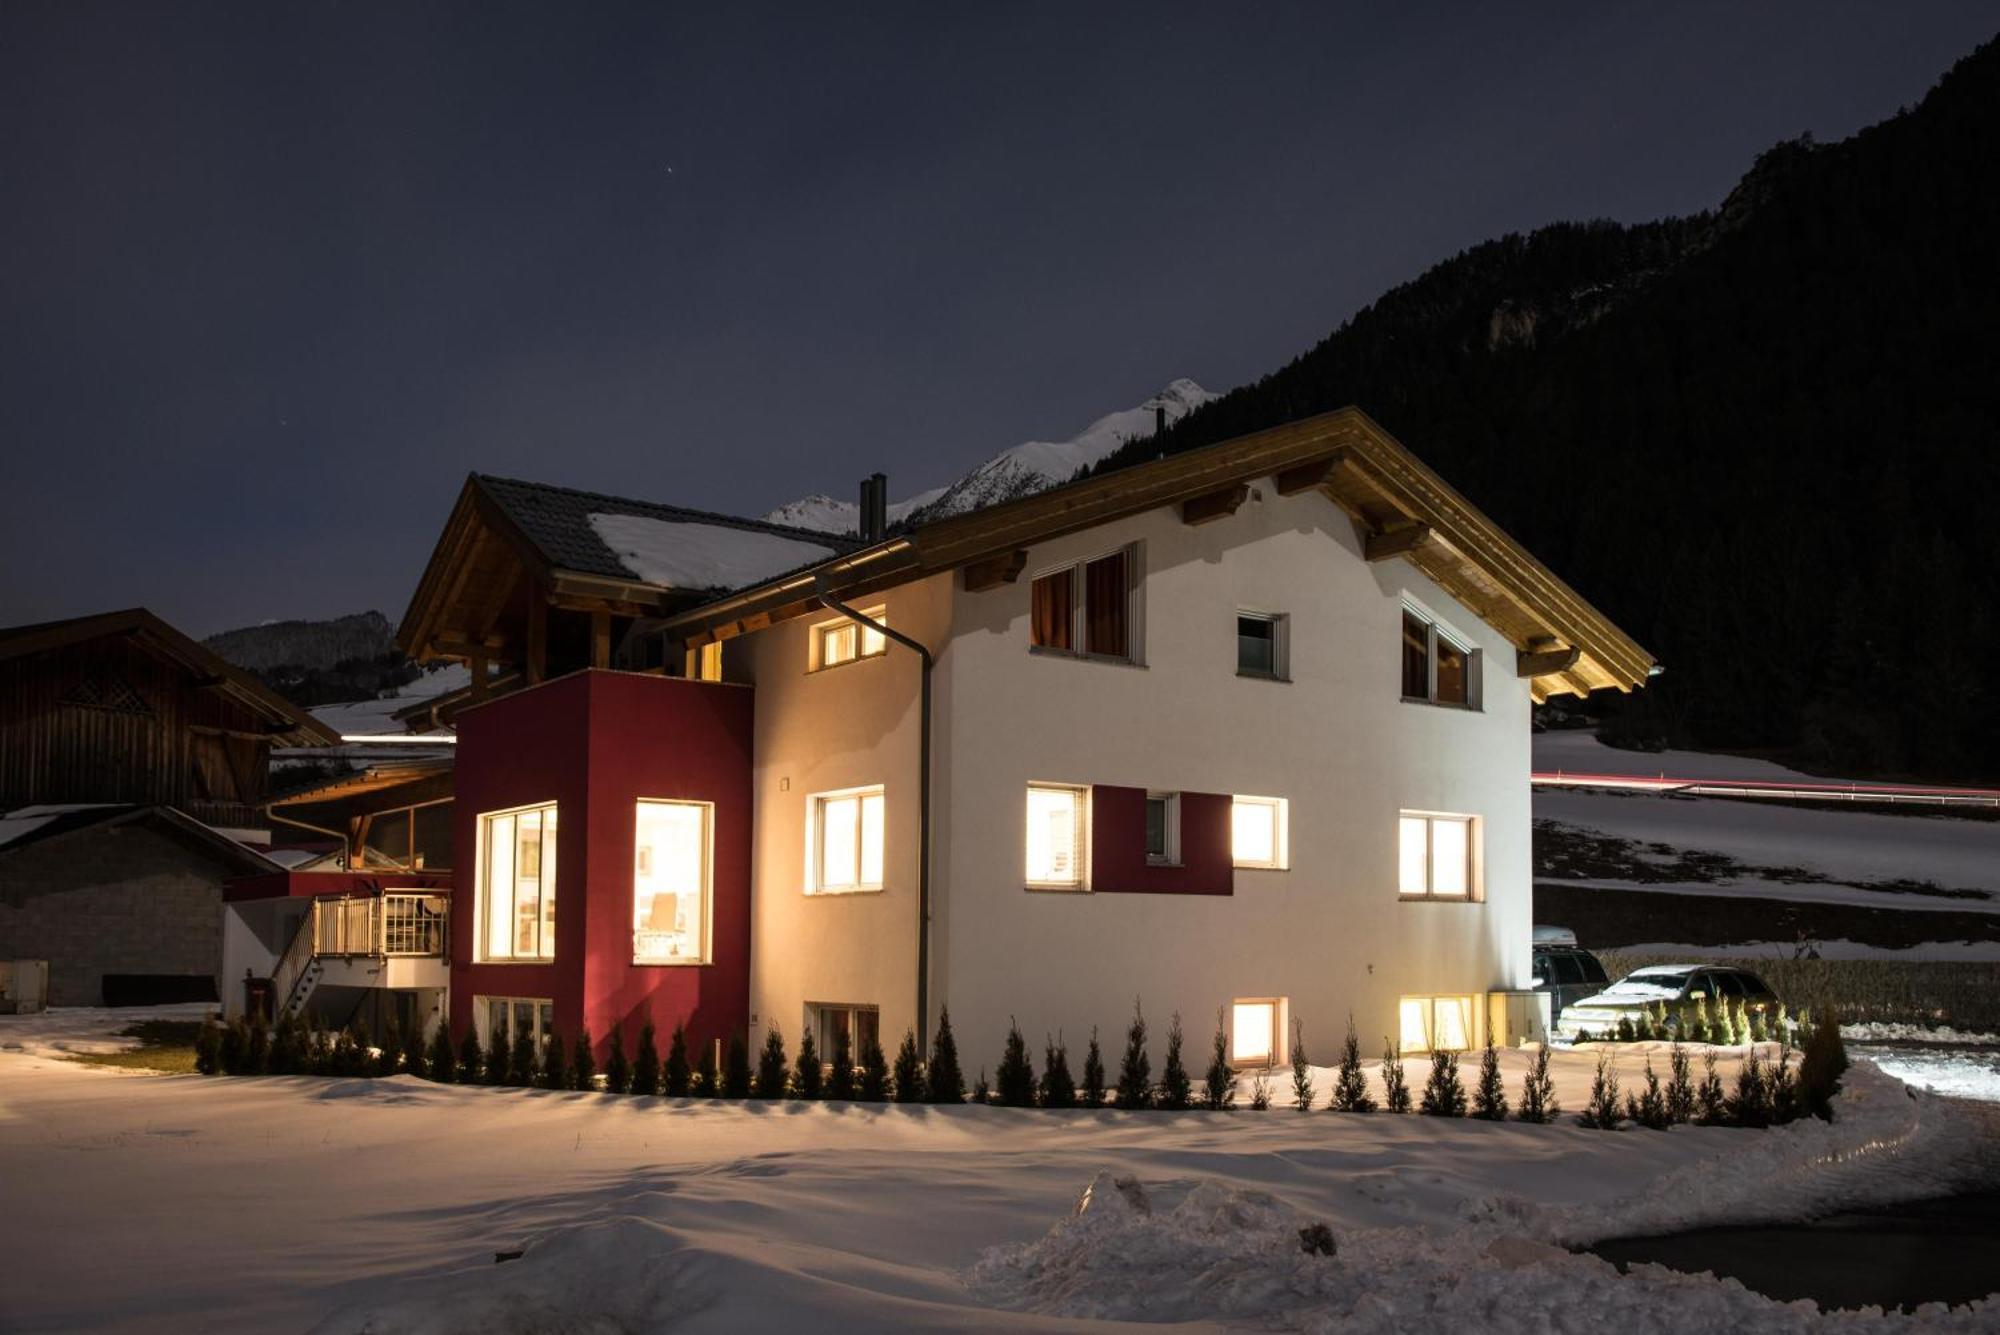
x: 994, y: 571
x: 1399, y: 541
x: 1311, y: 474
x: 1545, y: 662
x: 1214, y: 505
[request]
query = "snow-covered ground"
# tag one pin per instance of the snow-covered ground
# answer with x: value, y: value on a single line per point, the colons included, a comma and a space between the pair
x: 132, y: 1202
x: 1577, y: 751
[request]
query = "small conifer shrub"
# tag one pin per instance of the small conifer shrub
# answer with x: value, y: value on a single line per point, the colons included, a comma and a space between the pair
x: 736, y: 1069
x: 773, y: 1070
x: 1444, y: 1092
x: 1260, y: 1089
x: 1218, y: 1091
x: 389, y: 1055
x: 808, y: 1074
x: 1014, y: 1078
x: 471, y: 1061
x: 1395, y: 1085
x: 555, y: 1073
x: 1625, y: 1032
x: 288, y: 1047
x: 841, y: 1079
x: 1602, y: 1111
x: 1093, y: 1073
x: 1750, y: 1101
x: 646, y: 1063
x: 1821, y: 1065
x: 235, y: 1041
x: 442, y: 1064
x: 1649, y: 1107
x: 522, y: 1059
x: 1058, y: 1085
x: 1135, y: 1073
x: 1784, y: 1087
x: 1350, y: 1082
x: 583, y: 1061
x: 414, y: 1056
x: 943, y: 1081
x: 208, y: 1048
x: 1176, y: 1092
x: 981, y: 1091
x: 1489, y: 1096
x: 1711, y: 1108
x: 707, y: 1074
x: 1538, y: 1090
x: 873, y: 1086
x: 1680, y: 1087
x: 256, y: 1047
x: 1302, y: 1076
x: 676, y: 1076
x: 350, y: 1055
x: 617, y: 1066
x: 499, y: 1057
x: 319, y: 1053
x: 909, y: 1071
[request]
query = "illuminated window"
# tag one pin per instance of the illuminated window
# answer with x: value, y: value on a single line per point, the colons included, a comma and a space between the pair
x: 846, y: 841
x: 1435, y: 856
x: 1055, y: 837
x: 1439, y: 667
x: 1253, y: 1033
x: 1089, y: 608
x: 844, y: 641
x: 1263, y: 642
x: 670, y: 882
x: 510, y: 1016
x: 708, y: 661
x: 1435, y: 1023
x: 1163, y: 829
x: 1258, y: 832
x: 517, y: 884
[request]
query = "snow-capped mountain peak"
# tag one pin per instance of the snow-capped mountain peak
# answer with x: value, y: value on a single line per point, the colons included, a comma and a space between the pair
x: 1029, y: 467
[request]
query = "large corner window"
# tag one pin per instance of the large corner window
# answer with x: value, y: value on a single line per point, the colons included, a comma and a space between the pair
x: 1055, y: 837
x: 517, y: 884
x: 1263, y: 645
x: 844, y: 841
x: 1259, y: 832
x: 1436, y: 856
x: 1440, y: 667
x: 671, y: 879
x: 1435, y: 1024
x: 1089, y: 608
x: 844, y: 641
x: 1253, y: 1031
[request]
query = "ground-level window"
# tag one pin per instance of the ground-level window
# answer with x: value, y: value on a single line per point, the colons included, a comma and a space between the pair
x: 1439, y: 666
x: 671, y: 877
x: 1163, y: 829
x: 845, y: 841
x: 1259, y: 832
x: 1055, y: 836
x: 510, y: 1016
x: 843, y: 641
x: 1430, y: 1024
x: 1262, y: 645
x: 1087, y: 608
x: 832, y: 1021
x: 1254, y: 1032
x: 517, y: 884
x: 1436, y: 856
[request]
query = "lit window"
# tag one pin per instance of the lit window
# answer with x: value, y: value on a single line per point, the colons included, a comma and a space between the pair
x: 860, y: 1026
x: 844, y: 641
x: 846, y: 841
x: 1262, y: 645
x: 708, y: 661
x: 1435, y: 856
x: 1430, y: 1024
x: 1087, y: 608
x: 517, y: 884
x: 670, y: 883
x: 1439, y: 667
x: 1253, y: 1033
x: 1055, y: 837
x: 510, y: 1016
x: 1258, y: 832
x: 1163, y: 829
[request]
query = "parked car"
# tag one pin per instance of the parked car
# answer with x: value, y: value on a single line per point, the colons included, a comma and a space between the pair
x: 1671, y: 984
x: 1565, y: 970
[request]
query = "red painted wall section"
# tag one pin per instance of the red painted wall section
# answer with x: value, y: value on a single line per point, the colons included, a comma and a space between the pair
x: 596, y: 742
x: 1118, y: 845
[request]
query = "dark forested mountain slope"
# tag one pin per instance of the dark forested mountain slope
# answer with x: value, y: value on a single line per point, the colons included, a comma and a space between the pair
x: 1763, y: 438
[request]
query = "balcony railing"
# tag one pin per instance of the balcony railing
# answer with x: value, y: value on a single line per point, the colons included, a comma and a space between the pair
x: 386, y: 924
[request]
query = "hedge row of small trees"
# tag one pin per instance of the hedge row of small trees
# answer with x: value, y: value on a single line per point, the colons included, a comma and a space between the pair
x: 1763, y: 1093
x: 1729, y: 1023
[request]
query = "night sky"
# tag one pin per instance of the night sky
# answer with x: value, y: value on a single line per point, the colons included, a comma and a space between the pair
x: 275, y: 277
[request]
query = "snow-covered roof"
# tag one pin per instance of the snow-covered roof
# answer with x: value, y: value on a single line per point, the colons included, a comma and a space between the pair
x: 699, y: 554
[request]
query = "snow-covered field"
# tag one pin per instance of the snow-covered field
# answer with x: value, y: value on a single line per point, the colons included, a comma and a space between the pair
x: 133, y: 1202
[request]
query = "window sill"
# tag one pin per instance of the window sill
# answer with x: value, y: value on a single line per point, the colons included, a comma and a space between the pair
x: 845, y: 894
x: 543, y: 960
x: 671, y: 964
x: 1263, y: 676
x: 1439, y: 899
x: 1260, y: 866
x: 845, y: 662
x: 1443, y: 704
x: 1077, y: 655
x: 1045, y: 888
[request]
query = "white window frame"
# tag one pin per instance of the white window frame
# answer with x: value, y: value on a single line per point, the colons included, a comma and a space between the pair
x: 1473, y: 861
x: 546, y: 886
x: 816, y: 840
x: 1281, y: 644
x: 867, y: 642
x: 1439, y: 629
x: 1080, y: 839
x: 1280, y: 1016
x: 1425, y: 1008
x: 482, y: 1018
x: 1170, y: 855
x: 707, y: 934
x: 818, y: 1014
x: 1079, y: 611
x: 1281, y: 832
